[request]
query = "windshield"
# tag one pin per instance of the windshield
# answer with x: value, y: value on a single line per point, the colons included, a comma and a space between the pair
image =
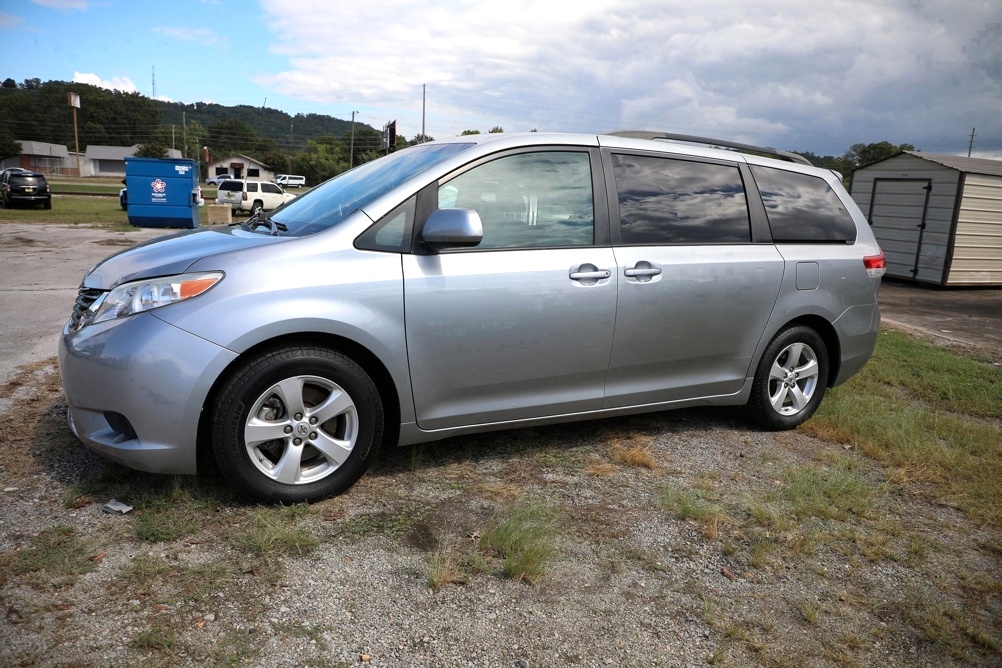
x: 333, y: 201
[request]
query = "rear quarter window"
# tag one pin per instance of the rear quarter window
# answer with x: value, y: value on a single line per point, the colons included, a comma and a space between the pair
x: 802, y: 208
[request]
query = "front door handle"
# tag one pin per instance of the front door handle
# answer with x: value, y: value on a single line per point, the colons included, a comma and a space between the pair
x: 588, y: 274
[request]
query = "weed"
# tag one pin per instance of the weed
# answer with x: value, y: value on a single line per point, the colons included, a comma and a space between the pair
x: 276, y: 532
x: 55, y: 558
x: 445, y: 567
x: 522, y: 537
x: 808, y: 610
x: 156, y: 638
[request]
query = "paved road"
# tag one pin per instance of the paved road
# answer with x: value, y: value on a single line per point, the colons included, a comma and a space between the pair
x: 40, y: 270
x: 41, y: 267
x: 967, y: 315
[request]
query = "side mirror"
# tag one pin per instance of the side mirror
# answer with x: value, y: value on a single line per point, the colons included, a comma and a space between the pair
x: 453, y: 228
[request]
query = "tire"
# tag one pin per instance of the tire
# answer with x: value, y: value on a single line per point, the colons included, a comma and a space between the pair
x: 790, y: 380
x: 256, y: 208
x: 271, y: 450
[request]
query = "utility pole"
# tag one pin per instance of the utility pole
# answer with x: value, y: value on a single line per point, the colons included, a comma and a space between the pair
x: 970, y: 144
x: 424, y: 97
x: 73, y: 100
x: 351, y: 151
x: 184, y: 122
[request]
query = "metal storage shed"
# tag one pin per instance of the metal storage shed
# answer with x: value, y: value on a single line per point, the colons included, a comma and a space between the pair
x: 938, y: 218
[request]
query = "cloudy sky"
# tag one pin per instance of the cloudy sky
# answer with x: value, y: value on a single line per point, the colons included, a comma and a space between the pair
x: 794, y: 74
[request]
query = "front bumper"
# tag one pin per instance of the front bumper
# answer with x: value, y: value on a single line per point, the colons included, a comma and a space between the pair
x: 135, y: 388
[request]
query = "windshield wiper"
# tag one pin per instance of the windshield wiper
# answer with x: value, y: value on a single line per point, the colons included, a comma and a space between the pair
x: 264, y: 220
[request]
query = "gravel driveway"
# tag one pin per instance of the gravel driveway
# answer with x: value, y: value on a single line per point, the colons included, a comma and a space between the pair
x: 669, y: 539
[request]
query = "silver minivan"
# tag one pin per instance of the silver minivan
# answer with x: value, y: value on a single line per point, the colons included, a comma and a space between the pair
x: 474, y: 284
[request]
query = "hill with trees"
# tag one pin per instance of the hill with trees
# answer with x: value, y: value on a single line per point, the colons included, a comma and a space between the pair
x: 314, y: 145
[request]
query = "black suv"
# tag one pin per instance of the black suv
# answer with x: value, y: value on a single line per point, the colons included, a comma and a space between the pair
x: 24, y: 188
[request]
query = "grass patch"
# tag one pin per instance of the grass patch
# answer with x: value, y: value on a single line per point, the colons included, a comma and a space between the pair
x: 447, y: 567
x: 521, y: 537
x: 277, y: 532
x: 55, y: 558
x: 159, y: 638
x: 919, y: 409
x: 82, y: 210
x: 697, y: 505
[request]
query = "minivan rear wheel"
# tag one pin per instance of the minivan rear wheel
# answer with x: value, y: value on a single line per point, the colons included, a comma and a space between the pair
x: 296, y: 423
x: 790, y: 380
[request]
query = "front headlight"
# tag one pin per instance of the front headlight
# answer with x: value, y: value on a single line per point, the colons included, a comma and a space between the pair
x: 151, y: 293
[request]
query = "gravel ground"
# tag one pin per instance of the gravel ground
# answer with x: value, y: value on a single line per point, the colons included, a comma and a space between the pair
x: 631, y: 583
x: 897, y: 579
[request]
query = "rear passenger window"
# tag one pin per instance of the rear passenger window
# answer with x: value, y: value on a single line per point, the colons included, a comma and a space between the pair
x: 665, y: 201
x: 802, y: 208
x: 528, y: 200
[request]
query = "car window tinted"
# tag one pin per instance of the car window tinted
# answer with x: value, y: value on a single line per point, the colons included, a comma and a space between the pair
x: 666, y: 201
x: 333, y: 201
x: 252, y: 187
x: 269, y: 188
x: 528, y: 200
x: 802, y: 208
x: 235, y: 186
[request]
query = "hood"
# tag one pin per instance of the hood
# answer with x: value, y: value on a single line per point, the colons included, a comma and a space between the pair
x: 170, y: 255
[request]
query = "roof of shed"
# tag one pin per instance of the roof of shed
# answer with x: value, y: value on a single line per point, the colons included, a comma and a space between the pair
x: 971, y: 165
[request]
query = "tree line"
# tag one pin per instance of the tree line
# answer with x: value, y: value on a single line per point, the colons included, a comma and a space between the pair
x: 314, y: 145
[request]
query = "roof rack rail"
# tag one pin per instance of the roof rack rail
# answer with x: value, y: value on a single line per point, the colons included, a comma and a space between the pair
x: 692, y: 139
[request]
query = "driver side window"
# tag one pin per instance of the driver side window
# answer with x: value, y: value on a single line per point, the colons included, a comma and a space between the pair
x: 528, y: 200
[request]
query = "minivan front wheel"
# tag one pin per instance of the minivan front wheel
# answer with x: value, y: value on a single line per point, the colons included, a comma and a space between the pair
x: 790, y: 380
x: 296, y: 423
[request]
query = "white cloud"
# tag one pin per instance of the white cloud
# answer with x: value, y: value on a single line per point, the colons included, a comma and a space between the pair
x: 8, y: 21
x: 203, y: 36
x: 794, y: 75
x: 123, y: 84
x: 63, y: 4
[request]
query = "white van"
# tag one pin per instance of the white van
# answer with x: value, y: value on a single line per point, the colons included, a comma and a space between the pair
x: 290, y: 180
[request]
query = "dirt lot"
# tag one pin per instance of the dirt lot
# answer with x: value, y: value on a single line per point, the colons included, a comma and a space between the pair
x: 676, y: 539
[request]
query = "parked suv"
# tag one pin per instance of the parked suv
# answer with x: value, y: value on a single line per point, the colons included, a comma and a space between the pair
x: 23, y: 187
x: 474, y: 284
x: 252, y: 197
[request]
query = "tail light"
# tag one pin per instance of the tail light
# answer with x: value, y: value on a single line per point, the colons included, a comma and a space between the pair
x: 875, y: 265
x: 244, y: 196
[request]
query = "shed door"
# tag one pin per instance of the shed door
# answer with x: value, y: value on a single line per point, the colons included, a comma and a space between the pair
x: 898, y: 209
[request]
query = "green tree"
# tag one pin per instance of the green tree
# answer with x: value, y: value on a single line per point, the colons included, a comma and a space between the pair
x: 861, y: 155
x: 232, y: 136
x: 9, y: 147
x: 8, y: 83
x: 421, y: 139
x: 151, y: 150
x: 469, y: 132
x: 321, y: 159
x: 497, y: 129
x: 32, y: 84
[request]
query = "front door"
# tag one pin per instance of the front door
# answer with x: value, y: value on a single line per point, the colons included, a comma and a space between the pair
x: 520, y: 327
